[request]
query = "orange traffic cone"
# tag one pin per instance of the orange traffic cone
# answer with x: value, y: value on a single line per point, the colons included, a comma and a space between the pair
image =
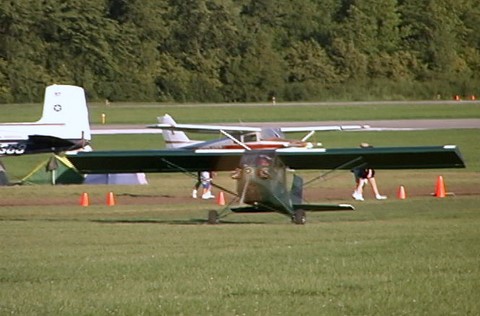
x: 221, y: 198
x: 401, y: 193
x: 440, y: 188
x: 84, y: 200
x: 110, y: 199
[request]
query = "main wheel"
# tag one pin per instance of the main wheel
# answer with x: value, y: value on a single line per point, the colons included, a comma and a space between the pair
x: 299, y: 217
x: 212, y: 217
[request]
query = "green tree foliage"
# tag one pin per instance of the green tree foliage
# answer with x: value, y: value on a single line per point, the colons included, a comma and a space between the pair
x: 240, y: 50
x: 202, y: 39
x: 437, y: 34
x: 310, y: 70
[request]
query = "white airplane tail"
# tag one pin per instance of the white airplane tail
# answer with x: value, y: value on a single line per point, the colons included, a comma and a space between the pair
x: 173, y: 139
x: 65, y: 113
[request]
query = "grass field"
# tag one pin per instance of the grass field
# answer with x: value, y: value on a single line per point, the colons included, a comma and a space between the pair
x: 122, y: 113
x: 413, y: 257
x: 417, y: 256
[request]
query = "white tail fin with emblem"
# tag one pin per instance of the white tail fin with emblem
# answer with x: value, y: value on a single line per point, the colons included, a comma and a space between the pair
x: 173, y: 139
x: 66, y: 106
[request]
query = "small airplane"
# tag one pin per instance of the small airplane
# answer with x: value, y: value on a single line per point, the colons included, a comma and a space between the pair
x: 261, y: 173
x: 240, y: 137
x: 64, y: 125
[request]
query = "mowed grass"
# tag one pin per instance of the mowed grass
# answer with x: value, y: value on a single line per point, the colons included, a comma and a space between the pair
x: 417, y: 256
x: 146, y: 113
x: 412, y: 257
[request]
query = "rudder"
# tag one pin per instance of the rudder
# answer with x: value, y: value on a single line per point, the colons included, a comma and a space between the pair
x: 66, y: 105
x: 173, y: 139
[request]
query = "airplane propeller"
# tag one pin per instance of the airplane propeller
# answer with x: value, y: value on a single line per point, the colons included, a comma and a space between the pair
x: 244, y: 190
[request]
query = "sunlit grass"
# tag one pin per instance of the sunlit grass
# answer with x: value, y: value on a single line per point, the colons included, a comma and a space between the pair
x: 418, y: 257
x: 140, y: 113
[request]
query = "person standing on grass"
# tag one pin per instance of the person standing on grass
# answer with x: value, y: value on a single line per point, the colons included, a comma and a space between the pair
x: 363, y: 176
x: 206, y: 181
x: 196, y: 185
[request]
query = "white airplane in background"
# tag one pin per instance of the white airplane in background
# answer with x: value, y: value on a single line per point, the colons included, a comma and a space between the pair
x: 239, y: 137
x: 64, y: 125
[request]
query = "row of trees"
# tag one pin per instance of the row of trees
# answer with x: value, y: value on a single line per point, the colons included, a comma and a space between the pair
x: 240, y: 50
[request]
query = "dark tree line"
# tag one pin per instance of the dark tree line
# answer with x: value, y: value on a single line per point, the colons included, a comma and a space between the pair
x: 240, y: 50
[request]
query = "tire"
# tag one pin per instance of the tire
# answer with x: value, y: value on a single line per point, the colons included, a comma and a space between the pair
x: 299, y: 217
x: 212, y: 217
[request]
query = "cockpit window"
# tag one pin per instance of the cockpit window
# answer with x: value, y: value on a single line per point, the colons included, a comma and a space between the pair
x: 268, y: 133
x: 263, y: 161
x: 256, y: 159
x: 249, y: 137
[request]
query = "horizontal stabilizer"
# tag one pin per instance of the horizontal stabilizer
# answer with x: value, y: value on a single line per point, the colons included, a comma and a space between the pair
x: 45, y: 141
x: 323, y: 207
x: 250, y: 209
x: 305, y: 207
x: 44, y: 144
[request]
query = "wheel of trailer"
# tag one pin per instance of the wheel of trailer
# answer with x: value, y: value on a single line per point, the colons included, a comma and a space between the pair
x: 212, y: 217
x: 299, y: 217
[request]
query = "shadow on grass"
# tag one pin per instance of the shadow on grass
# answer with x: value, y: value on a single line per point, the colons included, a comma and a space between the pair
x: 191, y: 221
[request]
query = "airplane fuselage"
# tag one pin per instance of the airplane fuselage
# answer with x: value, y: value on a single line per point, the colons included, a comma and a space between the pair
x: 261, y: 183
x: 226, y: 143
x: 38, y: 144
x: 14, y: 137
x: 13, y: 148
x: 64, y: 125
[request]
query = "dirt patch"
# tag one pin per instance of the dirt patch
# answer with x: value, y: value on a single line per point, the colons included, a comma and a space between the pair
x: 318, y: 195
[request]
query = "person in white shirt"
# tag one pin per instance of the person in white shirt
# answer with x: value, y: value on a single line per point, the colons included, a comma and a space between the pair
x: 206, y: 181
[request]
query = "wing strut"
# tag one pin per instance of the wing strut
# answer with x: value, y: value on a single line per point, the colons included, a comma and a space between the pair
x: 236, y: 141
x: 348, y: 163
x: 304, y: 139
x: 191, y: 174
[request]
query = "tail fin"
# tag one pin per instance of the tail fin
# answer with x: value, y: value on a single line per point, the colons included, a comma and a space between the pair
x: 296, y: 193
x: 173, y: 139
x: 66, y: 105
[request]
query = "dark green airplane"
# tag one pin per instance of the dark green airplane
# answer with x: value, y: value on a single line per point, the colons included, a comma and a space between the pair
x: 261, y: 174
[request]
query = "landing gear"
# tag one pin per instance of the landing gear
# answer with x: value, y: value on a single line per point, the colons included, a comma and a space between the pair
x: 212, y: 217
x: 299, y: 217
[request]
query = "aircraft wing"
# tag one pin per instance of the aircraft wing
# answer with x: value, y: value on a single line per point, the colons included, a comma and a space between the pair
x: 197, y: 128
x: 170, y: 160
x: 227, y: 160
x: 326, y: 128
x: 215, y: 129
x: 424, y: 157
